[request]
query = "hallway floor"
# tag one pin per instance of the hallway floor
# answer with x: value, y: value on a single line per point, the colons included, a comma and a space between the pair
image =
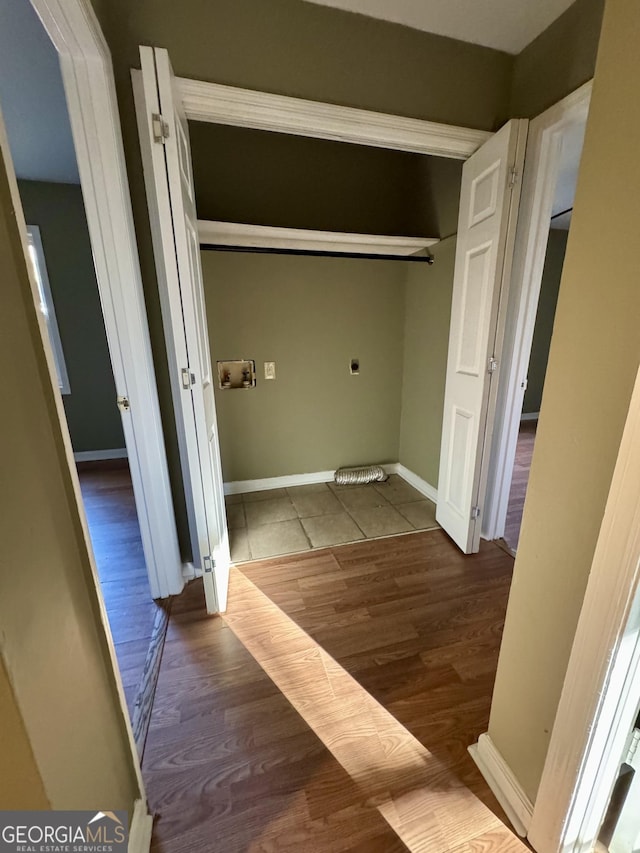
x: 109, y: 505
x: 519, y: 482
x: 302, y: 518
x: 331, y: 707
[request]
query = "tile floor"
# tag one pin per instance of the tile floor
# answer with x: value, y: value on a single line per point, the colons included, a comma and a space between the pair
x: 300, y: 518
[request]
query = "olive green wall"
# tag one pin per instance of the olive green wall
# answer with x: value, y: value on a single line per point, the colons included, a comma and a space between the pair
x: 310, y: 316
x: 93, y: 418
x: 549, y: 287
x: 562, y: 58
x: 53, y: 641
x: 426, y: 341
x: 593, y: 364
x: 265, y: 178
x: 304, y: 50
x: 20, y: 781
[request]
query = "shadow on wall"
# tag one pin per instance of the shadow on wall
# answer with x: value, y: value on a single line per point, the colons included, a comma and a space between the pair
x: 274, y: 179
x: 543, y: 329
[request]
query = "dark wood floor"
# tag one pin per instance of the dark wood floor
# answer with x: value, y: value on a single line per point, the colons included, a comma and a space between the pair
x: 115, y: 536
x: 230, y: 765
x: 519, y: 482
x: 417, y: 623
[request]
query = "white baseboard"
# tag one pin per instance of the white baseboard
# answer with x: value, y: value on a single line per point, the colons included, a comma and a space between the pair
x: 98, y: 455
x: 499, y: 776
x: 238, y: 487
x: 529, y: 416
x: 141, y: 828
x: 417, y: 482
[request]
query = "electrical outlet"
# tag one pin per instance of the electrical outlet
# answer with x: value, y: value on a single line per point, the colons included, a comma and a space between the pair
x: 354, y: 366
x: 269, y: 370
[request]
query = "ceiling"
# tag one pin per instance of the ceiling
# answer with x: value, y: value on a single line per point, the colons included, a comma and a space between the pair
x: 508, y: 25
x: 32, y: 98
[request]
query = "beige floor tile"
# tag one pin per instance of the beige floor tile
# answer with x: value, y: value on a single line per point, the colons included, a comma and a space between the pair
x: 239, y: 545
x: 307, y: 489
x: 269, y: 511
x: 233, y: 499
x: 325, y: 530
x: 235, y: 516
x: 398, y: 491
x: 271, y: 540
x: 266, y: 495
x: 358, y: 497
x: 316, y: 503
x: 422, y: 514
x: 380, y: 521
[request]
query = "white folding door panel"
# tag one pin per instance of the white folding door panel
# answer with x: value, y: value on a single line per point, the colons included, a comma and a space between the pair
x: 164, y: 141
x: 486, y: 227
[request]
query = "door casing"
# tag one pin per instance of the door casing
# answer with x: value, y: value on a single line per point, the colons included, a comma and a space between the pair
x: 542, y: 162
x: 89, y: 86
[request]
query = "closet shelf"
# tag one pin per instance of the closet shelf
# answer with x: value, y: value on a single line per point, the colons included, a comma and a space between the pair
x: 267, y: 238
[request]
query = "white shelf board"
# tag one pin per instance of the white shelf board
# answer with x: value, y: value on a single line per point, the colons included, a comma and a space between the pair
x: 300, y: 239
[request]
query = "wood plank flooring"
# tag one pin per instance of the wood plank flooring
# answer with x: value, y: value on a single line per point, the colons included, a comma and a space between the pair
x: 417, y: 623
x: 231, y: 765
x: 519, y: 482
x: 134, y: 618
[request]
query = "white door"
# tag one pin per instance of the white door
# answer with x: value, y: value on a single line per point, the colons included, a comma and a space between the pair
x: 166, y: 154
x: 486, y: 232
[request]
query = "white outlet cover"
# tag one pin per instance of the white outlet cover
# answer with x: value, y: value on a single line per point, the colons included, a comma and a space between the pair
x: 269, y: 370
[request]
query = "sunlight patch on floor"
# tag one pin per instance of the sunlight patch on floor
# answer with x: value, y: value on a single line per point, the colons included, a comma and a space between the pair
x: 428, y: 808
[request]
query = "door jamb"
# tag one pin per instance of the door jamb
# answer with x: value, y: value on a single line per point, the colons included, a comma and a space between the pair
x: 89, y: 85
x: 598, y: 703
x: 539, y: 180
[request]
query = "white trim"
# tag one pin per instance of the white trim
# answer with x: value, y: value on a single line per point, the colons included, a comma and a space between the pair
x: 503, y: 783
x: 301, y: 239
x: 417, y: 482
x: 98, y: 455
x: 91, y: 98
x: 228, y: 105
x: 529, y: 416
x: 140, y: 829
x: 601, y: 691
x: 238, y: 487
x: 540, y: 175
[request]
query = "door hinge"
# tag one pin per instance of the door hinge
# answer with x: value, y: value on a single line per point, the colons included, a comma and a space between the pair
x: 188, y: 378
x: 492, y: 365
x: 123, y: 403
x: 160, y: 128
x: 524, y: 384
x: 634, y: 743
x: 513, y: 176
x: 475, y: 512
x: 208, y: 564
